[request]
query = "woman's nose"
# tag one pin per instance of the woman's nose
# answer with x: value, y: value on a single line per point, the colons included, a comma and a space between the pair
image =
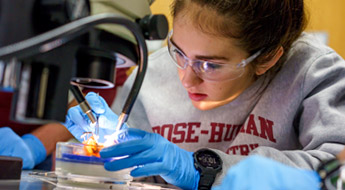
x: 189, y: 77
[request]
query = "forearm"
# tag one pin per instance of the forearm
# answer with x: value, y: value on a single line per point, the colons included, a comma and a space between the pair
x: 309, y: 159
x: 50, y: 134
x: 228, y: 162
x: 306, y: 158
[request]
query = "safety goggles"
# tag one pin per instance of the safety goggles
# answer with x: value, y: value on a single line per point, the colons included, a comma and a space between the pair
x: 207, y: 70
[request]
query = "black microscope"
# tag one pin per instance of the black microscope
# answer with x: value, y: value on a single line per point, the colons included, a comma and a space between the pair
x: 48, y: 45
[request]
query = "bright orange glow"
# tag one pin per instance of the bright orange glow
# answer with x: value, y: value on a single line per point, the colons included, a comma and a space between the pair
x: 91, y: 147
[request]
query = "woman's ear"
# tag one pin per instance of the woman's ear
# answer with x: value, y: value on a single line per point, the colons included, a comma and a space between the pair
x: 262, y: 68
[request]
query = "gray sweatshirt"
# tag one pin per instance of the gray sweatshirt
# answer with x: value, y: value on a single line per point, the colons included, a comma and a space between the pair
x: 297, y: 118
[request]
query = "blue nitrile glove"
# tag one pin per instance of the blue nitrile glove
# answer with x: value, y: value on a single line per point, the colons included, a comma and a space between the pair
x: 256, y: 172
x: 77, y: 122
x: 154, y: 155
x: 28, y: 147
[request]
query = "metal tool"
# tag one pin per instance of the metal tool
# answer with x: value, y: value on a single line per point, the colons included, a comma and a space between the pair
x: 84, y: 105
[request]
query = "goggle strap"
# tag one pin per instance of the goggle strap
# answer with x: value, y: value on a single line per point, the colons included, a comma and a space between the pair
x: 254, y: 56
x: 245, y: 62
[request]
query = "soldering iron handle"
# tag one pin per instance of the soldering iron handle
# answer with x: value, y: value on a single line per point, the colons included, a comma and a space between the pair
x: 84, y: 105
x: 78, y: 95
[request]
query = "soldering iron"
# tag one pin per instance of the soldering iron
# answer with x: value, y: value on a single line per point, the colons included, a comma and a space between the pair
x: 84, y: 105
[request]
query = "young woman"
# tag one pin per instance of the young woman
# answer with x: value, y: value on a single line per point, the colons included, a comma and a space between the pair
x: 240, y: 78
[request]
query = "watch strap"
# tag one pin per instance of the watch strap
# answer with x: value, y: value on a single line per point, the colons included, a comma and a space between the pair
x: 206, y: 180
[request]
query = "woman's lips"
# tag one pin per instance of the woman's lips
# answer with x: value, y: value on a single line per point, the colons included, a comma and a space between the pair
x: 196, y: 96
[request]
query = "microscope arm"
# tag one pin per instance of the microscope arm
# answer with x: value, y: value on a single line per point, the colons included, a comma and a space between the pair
x: 61, y: 35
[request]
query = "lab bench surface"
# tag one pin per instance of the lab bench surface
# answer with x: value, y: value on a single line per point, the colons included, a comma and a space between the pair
x: 26, y: 182
x: 33, y: 182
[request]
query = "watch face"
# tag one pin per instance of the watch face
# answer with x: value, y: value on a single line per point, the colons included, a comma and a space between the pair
x: 209, y: 159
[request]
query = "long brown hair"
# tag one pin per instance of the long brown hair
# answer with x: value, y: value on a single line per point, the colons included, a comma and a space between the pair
x: 257, y: 25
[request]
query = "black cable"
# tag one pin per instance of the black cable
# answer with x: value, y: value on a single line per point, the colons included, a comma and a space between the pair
x: 61, y: 35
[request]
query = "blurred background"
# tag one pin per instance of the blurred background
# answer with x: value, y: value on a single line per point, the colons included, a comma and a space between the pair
x: 326, y: 20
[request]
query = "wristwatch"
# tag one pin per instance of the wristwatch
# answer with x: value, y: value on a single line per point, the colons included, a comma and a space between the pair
x: 209, y: 164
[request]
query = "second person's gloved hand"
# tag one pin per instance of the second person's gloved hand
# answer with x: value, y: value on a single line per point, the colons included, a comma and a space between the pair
x: 28, y: 147
x: 77, y: 122
x: 153, y: 155
x: 255, y: 173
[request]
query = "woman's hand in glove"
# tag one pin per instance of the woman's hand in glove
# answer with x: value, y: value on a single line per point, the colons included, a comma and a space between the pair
x: 257, y: 172
x: 28, y: 147
x: 78, y: 123
x: 151, y: 154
